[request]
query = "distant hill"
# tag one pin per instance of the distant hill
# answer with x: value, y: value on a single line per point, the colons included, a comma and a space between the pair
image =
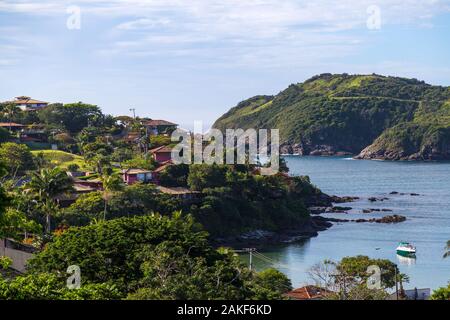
x: 372, y: 116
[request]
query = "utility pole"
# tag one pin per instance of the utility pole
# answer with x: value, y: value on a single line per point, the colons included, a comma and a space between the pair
x: 396, y: 282
x: 134, y: 113
x: 250, y: 258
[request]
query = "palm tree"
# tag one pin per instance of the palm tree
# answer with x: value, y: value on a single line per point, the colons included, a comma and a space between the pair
x: 447, y: 250
x: 402, y: 278
x: 10, y: 110
x: 48, y: 184
x: 111, y: 183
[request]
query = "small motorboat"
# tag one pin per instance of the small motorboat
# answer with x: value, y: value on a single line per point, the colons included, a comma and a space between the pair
x: 406, y: 249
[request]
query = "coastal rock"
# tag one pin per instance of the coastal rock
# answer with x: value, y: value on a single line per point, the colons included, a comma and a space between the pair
x: 376, y: 210
x: 387, y: 219
x: 345, y: 199
x: 374, y: 199
x: 308, y: 229
x: 318, y: 210
x: 338, y: 209
x: 410, y: 142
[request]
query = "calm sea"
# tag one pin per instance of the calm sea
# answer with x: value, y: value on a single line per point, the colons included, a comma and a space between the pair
x: 427, y: 225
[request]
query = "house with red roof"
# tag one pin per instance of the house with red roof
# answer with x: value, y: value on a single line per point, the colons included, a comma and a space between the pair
x: 12, y: 126
x: 132, y: 176
x: 162, y: 154
x: 308, y: 293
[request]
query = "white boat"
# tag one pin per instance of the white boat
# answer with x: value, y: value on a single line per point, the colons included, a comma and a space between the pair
x: 406, y: 249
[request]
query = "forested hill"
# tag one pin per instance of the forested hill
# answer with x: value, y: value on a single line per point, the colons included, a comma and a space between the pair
x: 387, y: 117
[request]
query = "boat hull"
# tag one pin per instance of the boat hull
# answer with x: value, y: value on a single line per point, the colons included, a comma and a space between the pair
x: 404, y: 253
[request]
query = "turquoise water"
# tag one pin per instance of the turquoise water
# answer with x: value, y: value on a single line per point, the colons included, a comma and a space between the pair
x: 427, y: 227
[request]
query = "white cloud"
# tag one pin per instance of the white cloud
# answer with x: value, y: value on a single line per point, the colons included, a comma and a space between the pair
x: 143, y: 24
x: 245, y: 32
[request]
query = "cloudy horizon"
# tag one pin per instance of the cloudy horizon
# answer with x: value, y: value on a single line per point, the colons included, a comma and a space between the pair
x: 193, y: 60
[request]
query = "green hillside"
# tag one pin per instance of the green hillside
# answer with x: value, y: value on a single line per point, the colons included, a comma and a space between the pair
x: 332, y: 114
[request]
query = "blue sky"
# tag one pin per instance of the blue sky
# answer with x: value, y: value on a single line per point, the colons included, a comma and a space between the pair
x: 186, y: 60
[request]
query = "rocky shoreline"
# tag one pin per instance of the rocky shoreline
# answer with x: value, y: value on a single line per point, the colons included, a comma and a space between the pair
x: 368, y: 153
x: 317, y: 205
x: 261, y: 238
x: 314, y: 150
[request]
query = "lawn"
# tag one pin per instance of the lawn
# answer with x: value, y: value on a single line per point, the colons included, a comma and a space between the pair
x: 61, y: 158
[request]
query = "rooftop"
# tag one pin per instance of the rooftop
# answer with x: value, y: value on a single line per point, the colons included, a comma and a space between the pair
x: 27, y: 100
x: 163, y: 166
x: 176, y: 191
x: 307, y: 293
x: 159, y: 123
x: 12, y: 124
x: 163, y: 149
x: 136, y: 171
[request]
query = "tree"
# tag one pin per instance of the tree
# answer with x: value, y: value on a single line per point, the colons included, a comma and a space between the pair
x: 10, y: 110
x: 141, y: 162
x: 74, y: 117
x: 48, y: 184
x: 175, y: 176
x: 15, y: 224
x: 111, y: 184
x: 441, y: 293
x: 4, y: 135
x: 347, y: 279
x: 152, y: 257
x: 203, y: 176
x: 271, y: 284
x: 16, y: 157
x: 4, y: 198
x: 46, y: 286
x: 85, y: 209
x: 447, y: 250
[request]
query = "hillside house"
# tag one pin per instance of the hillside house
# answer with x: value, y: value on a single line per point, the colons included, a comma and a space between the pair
x: 155, y: 127
x: 157, y: 172
x: 162, y: 154
x: 308, y: 293
x: 12, y: 126
x: 131, y: 176
x: 181, y: 193
x: 27, y: 104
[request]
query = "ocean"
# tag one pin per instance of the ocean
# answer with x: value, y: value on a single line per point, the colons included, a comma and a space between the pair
x: 427, y: 225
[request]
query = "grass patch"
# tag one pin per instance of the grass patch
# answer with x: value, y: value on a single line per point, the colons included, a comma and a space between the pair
x: 62, y: 159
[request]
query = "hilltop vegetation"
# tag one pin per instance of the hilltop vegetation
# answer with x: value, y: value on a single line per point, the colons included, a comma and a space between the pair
x: 334, y: 114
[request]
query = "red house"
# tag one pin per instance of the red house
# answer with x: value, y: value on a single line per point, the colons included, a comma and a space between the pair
x: 131, y: 176
x: 308, y: 293
x: 162, y: 154
x: 157, y: 172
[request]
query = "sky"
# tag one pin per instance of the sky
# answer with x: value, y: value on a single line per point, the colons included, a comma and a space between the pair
x: 192, y: 60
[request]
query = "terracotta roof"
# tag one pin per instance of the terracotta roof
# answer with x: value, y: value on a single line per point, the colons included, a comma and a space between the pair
x: 176, y: 191
x: 12, y: 124
x: 27, y: 100
x: 308, y: 293
x: 132, y: 136
x: 135, y: 171
x: 163, y: 149
x: 159, y: 123
x: 163, y: 166
x: 82, y: 188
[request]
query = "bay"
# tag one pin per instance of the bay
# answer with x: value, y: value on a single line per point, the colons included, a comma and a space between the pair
x: 427, y: 225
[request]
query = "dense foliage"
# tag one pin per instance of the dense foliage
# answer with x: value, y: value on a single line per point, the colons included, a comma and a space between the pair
x: 235, y: 200
x: 154, y: 257
x: 441, y: 293
x: 348, y: 279
x: 347, y: 113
